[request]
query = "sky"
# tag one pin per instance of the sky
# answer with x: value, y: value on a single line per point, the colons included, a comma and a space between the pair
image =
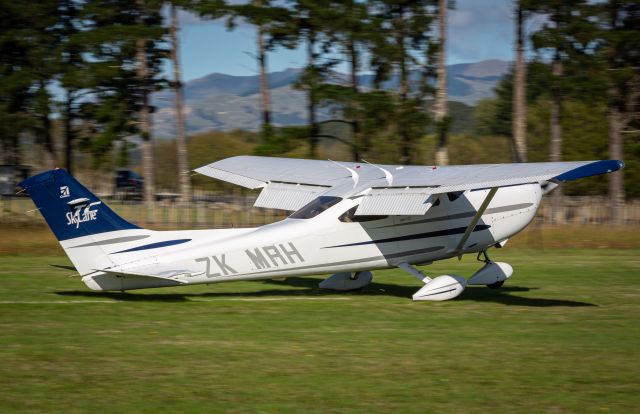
x: 478, y: 30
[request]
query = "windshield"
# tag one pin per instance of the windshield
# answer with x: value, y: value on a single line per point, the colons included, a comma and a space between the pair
x: 315, y: 207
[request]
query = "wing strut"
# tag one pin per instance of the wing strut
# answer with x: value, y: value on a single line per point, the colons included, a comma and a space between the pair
x: 474, y: 221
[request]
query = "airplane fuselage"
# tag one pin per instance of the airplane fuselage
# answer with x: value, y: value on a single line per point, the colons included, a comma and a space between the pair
x: 332, y: 241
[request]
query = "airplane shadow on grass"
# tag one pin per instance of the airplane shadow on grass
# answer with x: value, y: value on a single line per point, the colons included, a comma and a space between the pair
x: 308, y: 287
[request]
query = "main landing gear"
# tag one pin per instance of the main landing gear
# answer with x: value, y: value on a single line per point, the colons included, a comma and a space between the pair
x: 445, y: 287
x: 347, y: 281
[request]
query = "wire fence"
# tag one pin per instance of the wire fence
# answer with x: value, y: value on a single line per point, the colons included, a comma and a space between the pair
x: 218, y: 210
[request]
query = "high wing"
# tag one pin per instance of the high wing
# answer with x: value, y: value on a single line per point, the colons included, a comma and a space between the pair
x: 289, y: 183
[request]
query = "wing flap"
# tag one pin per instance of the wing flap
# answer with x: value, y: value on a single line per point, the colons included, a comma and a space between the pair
x: 395, y: 201
x: 287, y: 196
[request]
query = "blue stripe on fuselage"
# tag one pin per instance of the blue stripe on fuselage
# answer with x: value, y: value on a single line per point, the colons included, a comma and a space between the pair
x: 154, y: 245
x: 447, y: 232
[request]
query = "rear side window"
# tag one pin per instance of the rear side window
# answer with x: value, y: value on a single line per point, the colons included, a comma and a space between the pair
x: 315, y: 207
x: 454, y: 195
x: 349, y: 216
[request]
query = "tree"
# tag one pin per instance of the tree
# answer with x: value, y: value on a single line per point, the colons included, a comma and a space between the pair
x: 621, y: 45
x: 566, y: 36
x: 440, y: 107
x: 403, y: 39
x: 351, y: 28
x: 519, y: 125
x: 44, y: 59
x: 181, y: 139
x: 145, y: 73
x: 263, y: 15
x: 28, y: 65
x: 72, y: 69
x: 309, y: 17
x: 124, y: 45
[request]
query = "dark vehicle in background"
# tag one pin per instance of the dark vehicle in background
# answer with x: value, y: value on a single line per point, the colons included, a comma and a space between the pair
x: 129, y: 185
x: 10, y: 176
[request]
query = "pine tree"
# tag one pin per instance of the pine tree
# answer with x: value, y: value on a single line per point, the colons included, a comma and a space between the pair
x: 566, y: 35
x: 440, y: 107
x: 621, y: 19
x: 351, y: 28
x: 28, y: 64
x: 262, y: 14
x: 403, y: 38
x: 519, y: 125
x: 181, y: 139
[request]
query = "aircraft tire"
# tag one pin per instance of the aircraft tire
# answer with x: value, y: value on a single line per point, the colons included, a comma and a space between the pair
x: 496, y: 285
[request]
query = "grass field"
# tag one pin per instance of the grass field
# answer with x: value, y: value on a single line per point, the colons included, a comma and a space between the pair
x: 562, y: 336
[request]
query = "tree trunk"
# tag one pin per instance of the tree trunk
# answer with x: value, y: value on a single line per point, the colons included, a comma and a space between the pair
x: 264, y: 82
x: 406, y: 153
x: 440, y: 110
x: 355, y: 124
x: 406, y: 149
x: 555, y: 147
x: 311, y: 101
x: 68, y: 132
x: 519, y: 126
x: 13, y: 156
x: 616, y: 181
x: 145, y: 126
x: 49, y: 160
x: 181, y: 138
x: 614, y: 116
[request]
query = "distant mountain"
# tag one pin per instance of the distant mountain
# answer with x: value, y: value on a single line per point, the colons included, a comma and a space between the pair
x: 225, y: 102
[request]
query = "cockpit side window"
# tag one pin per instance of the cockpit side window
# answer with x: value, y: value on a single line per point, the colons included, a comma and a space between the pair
x: 315, y: 207
x: 349, y: 216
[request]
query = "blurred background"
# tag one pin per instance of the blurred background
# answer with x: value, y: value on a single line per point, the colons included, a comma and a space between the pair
x: 131, y: 95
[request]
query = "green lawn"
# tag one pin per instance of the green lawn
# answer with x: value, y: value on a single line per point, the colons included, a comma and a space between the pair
x: 562, y: 336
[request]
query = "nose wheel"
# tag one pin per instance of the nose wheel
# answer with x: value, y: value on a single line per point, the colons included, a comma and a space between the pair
x: 498, y: 272
x: 496, y: 285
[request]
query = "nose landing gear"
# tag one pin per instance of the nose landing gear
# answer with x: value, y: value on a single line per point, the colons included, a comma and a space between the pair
x: 492, y: 274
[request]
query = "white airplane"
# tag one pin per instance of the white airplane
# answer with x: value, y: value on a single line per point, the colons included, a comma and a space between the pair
x: 350, y: 218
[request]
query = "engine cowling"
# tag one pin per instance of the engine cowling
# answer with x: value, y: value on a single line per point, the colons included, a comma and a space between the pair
x: 491, y: 273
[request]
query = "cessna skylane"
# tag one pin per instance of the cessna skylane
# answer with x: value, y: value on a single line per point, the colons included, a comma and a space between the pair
x: 348, y: 219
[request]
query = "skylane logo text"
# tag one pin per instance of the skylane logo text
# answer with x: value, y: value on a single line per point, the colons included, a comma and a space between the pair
x: 82, y: 215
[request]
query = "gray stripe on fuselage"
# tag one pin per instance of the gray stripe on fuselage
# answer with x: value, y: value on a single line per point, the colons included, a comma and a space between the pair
x: 493, y: 210
x: 355, y: 261
x: 112, y: 241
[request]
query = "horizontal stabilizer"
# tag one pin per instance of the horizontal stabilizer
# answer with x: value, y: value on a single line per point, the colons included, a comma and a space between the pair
x: 154, y: 271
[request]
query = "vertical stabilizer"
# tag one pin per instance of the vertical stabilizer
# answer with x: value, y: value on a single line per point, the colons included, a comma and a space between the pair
x: 78, y: 218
